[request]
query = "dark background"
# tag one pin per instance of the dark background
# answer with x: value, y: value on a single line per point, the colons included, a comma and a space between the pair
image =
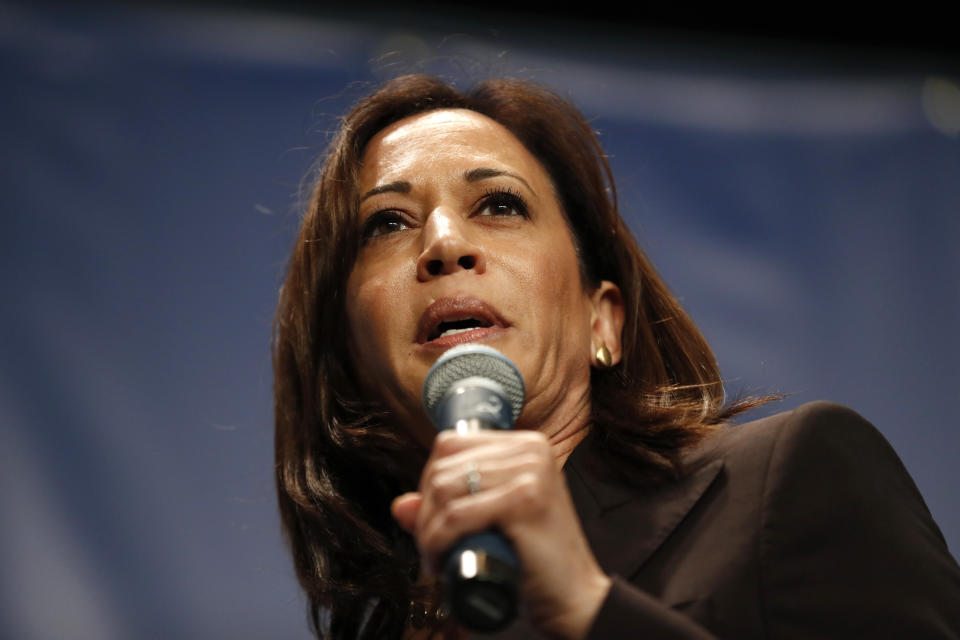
x: 796, y: 185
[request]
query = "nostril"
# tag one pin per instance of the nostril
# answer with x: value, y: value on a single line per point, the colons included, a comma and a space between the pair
x: 467, y: 262
x: 435, y: 267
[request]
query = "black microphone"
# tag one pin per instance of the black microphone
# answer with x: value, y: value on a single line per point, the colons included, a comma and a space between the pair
x: 472, y: 387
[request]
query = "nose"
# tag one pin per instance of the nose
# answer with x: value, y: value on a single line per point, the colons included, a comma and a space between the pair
x: 447, y: 247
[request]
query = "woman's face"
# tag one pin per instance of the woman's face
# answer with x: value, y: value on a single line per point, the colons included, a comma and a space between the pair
x: 464, y: 241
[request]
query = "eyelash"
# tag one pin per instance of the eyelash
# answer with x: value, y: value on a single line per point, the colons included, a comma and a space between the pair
x: 496, y: 197
x: 371, y: 228
x: 508, y: 197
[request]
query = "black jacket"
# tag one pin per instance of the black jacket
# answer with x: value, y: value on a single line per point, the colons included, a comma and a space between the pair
x: 801, y: 525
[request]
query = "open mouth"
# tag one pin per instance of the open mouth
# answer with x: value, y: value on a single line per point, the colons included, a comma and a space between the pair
x: 446, y: 318
x: 453, y: 327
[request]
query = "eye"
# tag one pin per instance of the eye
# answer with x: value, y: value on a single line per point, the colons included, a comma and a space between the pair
x: 502, y: 202
x: 383, y: 223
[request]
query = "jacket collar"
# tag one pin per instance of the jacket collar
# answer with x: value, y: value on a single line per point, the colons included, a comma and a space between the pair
x: 624, y: 526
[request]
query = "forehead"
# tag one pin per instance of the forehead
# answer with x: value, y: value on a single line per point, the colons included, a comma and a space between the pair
x: 440, y: 139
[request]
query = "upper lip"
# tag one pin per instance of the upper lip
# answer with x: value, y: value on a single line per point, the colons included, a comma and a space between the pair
x: 456, y: 308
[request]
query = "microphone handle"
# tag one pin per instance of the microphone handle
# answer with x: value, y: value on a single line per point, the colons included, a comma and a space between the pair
x: 481, y: 571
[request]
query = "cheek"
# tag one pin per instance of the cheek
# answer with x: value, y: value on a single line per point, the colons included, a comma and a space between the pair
x: 557, y: 300
x: 372, y: 310
x: 559, y: 280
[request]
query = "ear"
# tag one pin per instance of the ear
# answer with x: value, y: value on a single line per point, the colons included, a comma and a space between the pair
x: 606, y: 321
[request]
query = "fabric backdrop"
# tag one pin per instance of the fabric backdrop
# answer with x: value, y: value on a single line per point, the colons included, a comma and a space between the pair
x: 803, y: 207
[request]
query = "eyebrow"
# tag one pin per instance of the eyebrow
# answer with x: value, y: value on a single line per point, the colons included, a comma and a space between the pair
x: 473, y: 175
x: 395, y: 187
x: 482, y: 173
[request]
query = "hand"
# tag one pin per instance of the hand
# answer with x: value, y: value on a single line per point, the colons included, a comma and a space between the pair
x: 521, y: 491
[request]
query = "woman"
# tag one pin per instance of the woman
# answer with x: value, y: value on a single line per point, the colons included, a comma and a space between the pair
x: 442, y: 218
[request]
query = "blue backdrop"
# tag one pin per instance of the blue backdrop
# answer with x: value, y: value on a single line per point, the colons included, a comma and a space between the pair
x: 806, y: 215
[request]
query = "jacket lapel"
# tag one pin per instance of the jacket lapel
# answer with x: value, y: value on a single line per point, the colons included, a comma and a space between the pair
x: 625, y: 526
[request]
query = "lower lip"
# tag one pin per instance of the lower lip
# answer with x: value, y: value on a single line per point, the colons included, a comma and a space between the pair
x: 482, y: 334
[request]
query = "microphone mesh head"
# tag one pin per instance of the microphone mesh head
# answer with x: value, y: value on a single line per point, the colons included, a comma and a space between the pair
x: 466, y: 361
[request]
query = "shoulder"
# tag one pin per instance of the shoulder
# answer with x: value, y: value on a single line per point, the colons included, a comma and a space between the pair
x: 843, y: 528
x: 823, y: 455
x: 802, y: 440
x: 819, y: 457
x: 819, y: 419
x: 825, y: 431
x: 822, y: 476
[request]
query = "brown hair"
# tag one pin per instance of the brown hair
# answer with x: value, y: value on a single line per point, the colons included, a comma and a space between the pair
x: 338, y: 464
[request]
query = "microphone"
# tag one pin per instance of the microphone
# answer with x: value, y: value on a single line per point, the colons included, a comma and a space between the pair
x: 472, y: 387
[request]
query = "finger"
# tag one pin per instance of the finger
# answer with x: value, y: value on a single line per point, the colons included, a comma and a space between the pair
x: 405, y: 509
x: 524, y: 497
x: 476, y: 470
x: 456, y: 453
x: 449, y: 442
x: 476, y: 474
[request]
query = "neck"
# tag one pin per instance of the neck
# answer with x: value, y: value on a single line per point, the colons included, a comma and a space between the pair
x: 564, y: 445
x: 568, y: 426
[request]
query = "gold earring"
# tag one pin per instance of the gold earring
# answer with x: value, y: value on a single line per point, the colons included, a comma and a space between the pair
x: 603, y: 357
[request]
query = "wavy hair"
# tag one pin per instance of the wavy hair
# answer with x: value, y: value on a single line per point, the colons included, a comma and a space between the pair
x: 339, y: 463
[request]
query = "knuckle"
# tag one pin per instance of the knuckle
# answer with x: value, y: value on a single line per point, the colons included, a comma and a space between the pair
x: 445, y: 443
x: 530, y: 493
x: 542, y: 444
x: 530, y: 461
x: 442, y: 489
x: 536, y: 437
x: 536, y: 443
x: 527, y: 436
x: 434, y: 485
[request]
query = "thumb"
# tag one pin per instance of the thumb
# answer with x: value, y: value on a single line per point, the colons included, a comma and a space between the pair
x: 405, y: 508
